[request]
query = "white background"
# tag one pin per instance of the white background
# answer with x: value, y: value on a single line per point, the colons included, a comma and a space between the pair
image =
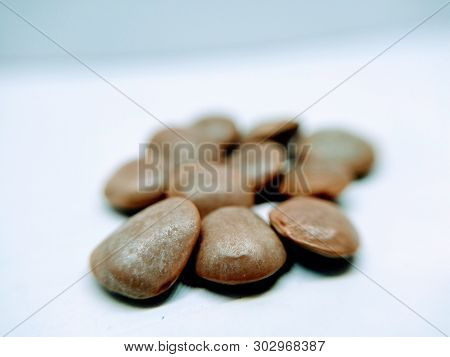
x: 63, y: 130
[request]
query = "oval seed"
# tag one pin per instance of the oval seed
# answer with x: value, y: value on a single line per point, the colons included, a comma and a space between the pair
x: 145, y: 256
x: 316, y: 225
x: 218, y: 129
x: 127, y: 190
x: 259, y: 163
x: 344, y: 148
x: 237, y: 247
x: 209, y: 186
x: 315, y: 177
x: 276, y: 130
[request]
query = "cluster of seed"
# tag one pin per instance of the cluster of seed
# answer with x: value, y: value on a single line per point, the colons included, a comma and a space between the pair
x: 180, y: 216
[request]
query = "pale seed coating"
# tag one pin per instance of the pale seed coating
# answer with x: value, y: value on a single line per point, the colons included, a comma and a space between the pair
x: 124, y: 191
x: 315, y: 177
x: 259, y: 163
x: 237, y: 247
x: 316, y: 225
x: 344, y: 148
x: 178, y: 145
x: 219, y: 129
x: 209, y: 186
x: 145, y: 256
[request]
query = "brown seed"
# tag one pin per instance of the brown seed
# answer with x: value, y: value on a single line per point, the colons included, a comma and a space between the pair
x: 179, y: 145
x: 145, y: 256
x: 315, y: 177
x: 125, y: 192
x: 277, y: 130
x: 237, y: 247
x: 217, y: 129
x: 209, y: 186
x: 339, y: 146
x: 316, y: 225
x: 208, y: 139
x: 259, y: 163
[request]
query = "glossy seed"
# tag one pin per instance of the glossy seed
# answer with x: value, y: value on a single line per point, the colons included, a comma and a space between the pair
x: 341, y: 147
x: 209, y: 186
x: 237, y: 247
x: 145, y: 256
x: 316, y: 225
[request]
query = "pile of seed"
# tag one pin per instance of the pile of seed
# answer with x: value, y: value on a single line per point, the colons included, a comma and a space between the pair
x: 228, y: 243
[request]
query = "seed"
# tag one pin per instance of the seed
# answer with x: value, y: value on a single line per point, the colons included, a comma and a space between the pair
x: 145, y: 256
x: 341, y: 147
x: 219, y: 129
x: 316, y: 225
x: 178, y: 145
x: 237, y: 247
x: 315, y: 177
x: 208, y: 139
x: 209, y: 186
x: 126, y: 192
x: 259, y: 163
x: 277, y: 130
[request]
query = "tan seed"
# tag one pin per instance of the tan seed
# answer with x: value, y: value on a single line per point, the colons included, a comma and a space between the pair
x: 145, y: 256
x: 259, y: 163
x: 316, y: 225
x: 218, y: 129
x: 277, y: 130
x: 209, y: 186
x: 341, y: 147
x: 126, y: 192
x: 237, y: 247
x: 315, y: 177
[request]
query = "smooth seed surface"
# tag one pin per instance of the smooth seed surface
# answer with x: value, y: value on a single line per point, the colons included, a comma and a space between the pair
x: 315, y: 177
x: 316, y: 225
x: 123, y: 190
x: 259, y: 163
x: 145, y: 256
x: 342, y: 147
x: 178, y: 145
x: 237, y: 247
x: 210, y: 186
x: 218, y: 129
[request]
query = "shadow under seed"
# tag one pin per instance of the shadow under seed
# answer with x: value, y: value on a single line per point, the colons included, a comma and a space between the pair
x: 142, y: 303
x: 316, y: 262
x: 190, y: 278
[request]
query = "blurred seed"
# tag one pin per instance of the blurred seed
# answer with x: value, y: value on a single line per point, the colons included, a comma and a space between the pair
x: 315, y: 177
x: 124, y: 190
x: 341, y: 147
x: 316, y: 225
x: 277, y: 130
x: 209, y: 186
x: 259, y: 163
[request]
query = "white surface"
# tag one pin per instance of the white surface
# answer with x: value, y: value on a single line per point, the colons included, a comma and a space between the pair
x: 63, y: 130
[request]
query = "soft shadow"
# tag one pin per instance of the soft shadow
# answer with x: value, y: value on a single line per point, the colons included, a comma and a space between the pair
x: 316, y: 262
x: 270, y: 192
x: 327, y: 197
x: 122, y: 212
x: 190, y: 278
x: 141, y: 303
